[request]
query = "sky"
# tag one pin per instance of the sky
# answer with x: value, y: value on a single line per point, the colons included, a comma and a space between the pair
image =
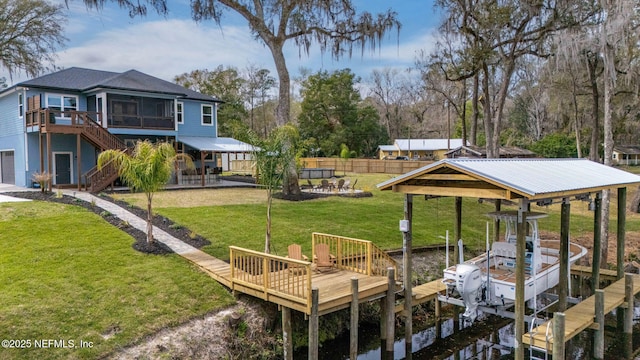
x: 166, y: 46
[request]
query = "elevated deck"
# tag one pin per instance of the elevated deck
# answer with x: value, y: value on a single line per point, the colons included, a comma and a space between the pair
x: 581, y: 316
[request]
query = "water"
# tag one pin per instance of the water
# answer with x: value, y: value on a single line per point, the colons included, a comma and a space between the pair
x: 489, y: 339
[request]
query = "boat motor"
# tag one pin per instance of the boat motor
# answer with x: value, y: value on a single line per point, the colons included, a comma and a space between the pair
x: 469, y: 284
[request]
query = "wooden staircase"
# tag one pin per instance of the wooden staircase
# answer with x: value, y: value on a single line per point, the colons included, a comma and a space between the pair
x: 87, y: 125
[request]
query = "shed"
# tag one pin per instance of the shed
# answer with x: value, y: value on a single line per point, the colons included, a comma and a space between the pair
x: 524, y: 181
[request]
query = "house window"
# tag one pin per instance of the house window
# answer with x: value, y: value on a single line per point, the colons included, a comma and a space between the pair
x: 62, y: 103
x: 207, y: 115
x: 20, y: 105
x: 179, y: 113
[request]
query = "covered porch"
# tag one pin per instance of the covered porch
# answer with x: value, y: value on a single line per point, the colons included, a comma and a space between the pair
x: 212, y: 156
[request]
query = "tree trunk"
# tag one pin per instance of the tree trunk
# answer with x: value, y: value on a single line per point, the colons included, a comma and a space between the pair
x: 486, y: 105
x: 592, y: 61
x: 609, y: 88
x: 464, y: 112
x: 474, y: 105
x: 290, y: 184
x: 267, y: 238
x: 502, y: 98
x: 149, y: 220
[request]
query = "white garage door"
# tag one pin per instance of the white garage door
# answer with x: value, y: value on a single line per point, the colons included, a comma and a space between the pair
x: 7, y: 172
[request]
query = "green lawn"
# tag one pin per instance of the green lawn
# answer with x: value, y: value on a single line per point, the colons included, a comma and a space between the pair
x: 65, y: 274
x: 374, y: 218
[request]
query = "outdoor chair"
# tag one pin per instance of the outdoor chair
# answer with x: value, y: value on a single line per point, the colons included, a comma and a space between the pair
x: 340, y: 184
x: 324, y: 261
x: 295, y: 252
x: 353, y: 187
x: 310, y: 184
x: 324, y: 185
x: 346, y: 185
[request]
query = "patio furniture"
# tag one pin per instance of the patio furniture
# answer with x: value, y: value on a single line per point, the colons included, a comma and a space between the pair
x: 324, y: 185
x: 295, y: 252
x: 340, y: 184
x: 324, y: 261
x: 346, y: 185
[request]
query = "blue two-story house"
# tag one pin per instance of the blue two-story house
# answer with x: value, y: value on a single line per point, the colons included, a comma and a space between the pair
x: 59, y: 123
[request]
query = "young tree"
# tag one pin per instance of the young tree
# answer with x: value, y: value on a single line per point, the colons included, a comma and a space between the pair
x: 30, y: 31
x: 147, y: 169
x: 333, y: 24
x: 272, y: 156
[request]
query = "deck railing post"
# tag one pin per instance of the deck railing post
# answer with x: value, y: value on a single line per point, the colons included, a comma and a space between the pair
x: 558, y: 335
x: 265, y: 274
x: 598, y: 336
x: 370, y: 258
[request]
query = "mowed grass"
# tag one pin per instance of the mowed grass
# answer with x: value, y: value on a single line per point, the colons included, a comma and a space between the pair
x: 66, y: 274
x: 374, y: 218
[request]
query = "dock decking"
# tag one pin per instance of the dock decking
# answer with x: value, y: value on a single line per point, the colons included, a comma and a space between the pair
x: 580, y: 316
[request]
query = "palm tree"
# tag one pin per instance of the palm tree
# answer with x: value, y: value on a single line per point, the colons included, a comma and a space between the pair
x: 147, y: 169
x: 272, y: 156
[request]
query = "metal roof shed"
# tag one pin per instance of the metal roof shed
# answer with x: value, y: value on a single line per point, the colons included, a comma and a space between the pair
x: 523, y: 180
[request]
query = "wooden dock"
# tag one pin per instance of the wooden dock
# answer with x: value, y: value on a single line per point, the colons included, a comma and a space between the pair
x: 423, y: 293
x: 585, y: 271
x: 580, y: 316
x: 288, y: 282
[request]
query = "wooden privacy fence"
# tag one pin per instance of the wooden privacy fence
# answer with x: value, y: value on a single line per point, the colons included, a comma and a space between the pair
x: 269, y: 277
x: 364, y: 166
x: 356, y: 255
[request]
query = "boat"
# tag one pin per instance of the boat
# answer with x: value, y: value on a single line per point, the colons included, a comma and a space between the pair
x: 488, y: 282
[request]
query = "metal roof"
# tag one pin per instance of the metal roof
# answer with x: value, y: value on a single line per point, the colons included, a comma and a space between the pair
x: 511, y: 178
x: 217, y: 144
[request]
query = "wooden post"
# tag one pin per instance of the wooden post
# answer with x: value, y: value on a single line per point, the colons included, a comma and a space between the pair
x: 558, y: 335
x: 457, y: 235
x: 622, y: 212
x: 521, y: 248
x: 49, y: 159
x: 79, y: 160
x: 383, y: 324
x: 597, y: 246
x: 287, y: 342
x: 407, y: 271
x: 598, y: 335
x: 457, y: 228
x: 390, y: 304
x: 563, y: 285
x: 313, y: 326
x: 353, y: 342
x: 202, y: 156
x: 496, y: 222
x: 628, y: 316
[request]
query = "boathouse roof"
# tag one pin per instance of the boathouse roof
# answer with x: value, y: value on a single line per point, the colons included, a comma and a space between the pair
x: 511, y: 179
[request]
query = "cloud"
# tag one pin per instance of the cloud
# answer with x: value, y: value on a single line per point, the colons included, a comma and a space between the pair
x: 165, y: 48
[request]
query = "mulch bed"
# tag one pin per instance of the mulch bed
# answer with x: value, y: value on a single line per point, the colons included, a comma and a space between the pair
x: 140, y: 237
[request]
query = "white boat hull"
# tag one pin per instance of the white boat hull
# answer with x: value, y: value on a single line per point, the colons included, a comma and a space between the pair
x: 500, y: 285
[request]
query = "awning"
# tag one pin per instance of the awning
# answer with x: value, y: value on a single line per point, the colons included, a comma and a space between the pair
x: 216, y: 144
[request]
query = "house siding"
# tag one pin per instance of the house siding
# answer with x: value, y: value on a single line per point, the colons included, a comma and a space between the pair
x: 192, y: 120
x: 11, y: 134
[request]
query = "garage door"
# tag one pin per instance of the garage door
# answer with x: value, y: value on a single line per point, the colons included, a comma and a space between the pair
x: 7, y: 172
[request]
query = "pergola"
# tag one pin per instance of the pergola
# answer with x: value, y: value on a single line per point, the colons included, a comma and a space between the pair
x: 525, y: 181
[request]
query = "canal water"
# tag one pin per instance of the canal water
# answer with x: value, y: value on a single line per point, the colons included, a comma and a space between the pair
x: 492, y: 338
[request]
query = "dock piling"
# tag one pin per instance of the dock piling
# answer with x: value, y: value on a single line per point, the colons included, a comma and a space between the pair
x: 353, y: 341
x: 598, y: 336
x: 313, y: 325
x: 558, y: 336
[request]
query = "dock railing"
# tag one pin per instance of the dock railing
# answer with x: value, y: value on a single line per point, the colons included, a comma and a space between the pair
x: 269, y: 276
x: 361, y: 256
